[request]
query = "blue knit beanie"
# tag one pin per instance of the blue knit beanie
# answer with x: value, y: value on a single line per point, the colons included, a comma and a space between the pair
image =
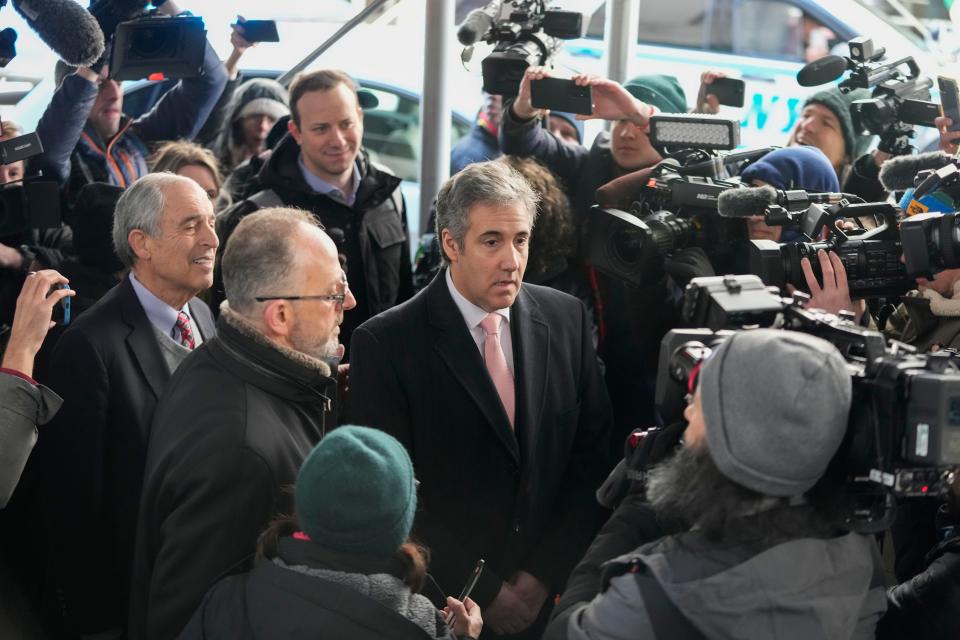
x: 794, y: 168
x: 572, y: 119
x: 356, y: 493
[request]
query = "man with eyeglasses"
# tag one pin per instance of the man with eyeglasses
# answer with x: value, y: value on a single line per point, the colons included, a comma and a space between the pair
x: 239, y: 417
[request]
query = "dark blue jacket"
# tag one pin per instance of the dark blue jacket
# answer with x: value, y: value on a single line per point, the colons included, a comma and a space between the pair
x: 477, y: 146
x: 75, y: 155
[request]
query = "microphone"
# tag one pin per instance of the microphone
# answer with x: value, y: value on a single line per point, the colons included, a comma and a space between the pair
x: 826, y: 69
x: 899, y: 173
x: 66, y: 27
x: 477, y: 23
x: 753, y: 201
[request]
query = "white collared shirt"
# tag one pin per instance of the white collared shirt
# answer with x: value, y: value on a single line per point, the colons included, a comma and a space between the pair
x: 474, y: 315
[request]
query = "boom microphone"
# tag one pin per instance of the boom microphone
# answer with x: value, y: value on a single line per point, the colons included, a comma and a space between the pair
x: 66, y: 27
x: 477, y: 23
x: 899, y: 173
x: 826, y: 69
x: 753, y: 201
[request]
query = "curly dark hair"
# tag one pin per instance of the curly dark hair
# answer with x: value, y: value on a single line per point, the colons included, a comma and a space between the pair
x: 554, y: 235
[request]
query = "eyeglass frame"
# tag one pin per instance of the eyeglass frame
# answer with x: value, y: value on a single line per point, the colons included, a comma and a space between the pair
x: 339, y: 298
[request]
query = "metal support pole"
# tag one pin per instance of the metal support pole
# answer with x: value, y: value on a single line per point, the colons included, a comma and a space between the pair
x: 434, y: 105
x: 287, y: 77
x: 620, y: 33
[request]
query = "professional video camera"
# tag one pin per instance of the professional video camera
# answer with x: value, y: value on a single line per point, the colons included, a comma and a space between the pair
x: 903, y: 435
x: 32, y: 203
x: 142, y: 44
x: 900, y: 97
x: 674, y: 204
x: 525, y: 33
x: 870, y: 257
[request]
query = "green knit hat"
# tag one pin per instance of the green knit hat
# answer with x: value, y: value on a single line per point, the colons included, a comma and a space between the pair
x: 839, y: 103
x: 663, y: 92
x: 356, y: 492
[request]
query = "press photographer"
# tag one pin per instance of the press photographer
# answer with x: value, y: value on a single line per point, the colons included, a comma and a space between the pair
x: 740, y: 523
x: 85, y: 134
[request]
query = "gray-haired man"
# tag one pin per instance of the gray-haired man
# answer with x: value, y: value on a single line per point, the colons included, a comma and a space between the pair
x: 494, y: 389
x: 111, y: 367
x: 239, y: 417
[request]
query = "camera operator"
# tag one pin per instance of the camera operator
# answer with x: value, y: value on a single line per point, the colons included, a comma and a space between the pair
x: 87, y: 138
x: 926, y: 605
x: 751, y: 507
x: 27, y: 250
x: 826, y: 123
x: 629, y: 353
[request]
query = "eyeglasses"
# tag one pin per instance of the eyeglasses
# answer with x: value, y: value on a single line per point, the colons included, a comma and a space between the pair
x: 336, y: 298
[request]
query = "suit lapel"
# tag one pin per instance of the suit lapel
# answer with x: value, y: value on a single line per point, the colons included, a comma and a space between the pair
x: 141, y: 339
x: 531, y: 340
x: 457, y: 348
x: 201, y: 313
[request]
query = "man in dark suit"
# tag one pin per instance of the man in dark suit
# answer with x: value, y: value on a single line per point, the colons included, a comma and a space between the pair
x: 110, y: 367
x: 494, y: 389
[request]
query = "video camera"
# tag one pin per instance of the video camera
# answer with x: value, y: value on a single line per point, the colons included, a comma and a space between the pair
x: 870, y: 257
x: 673, y: 206
x: 31, y: 203
x: 900, y: 97
x: 142, y: 44
x: 903, y: 434
x: 525, y: 33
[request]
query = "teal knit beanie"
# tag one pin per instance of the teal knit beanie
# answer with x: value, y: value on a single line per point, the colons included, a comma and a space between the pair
x: 355, y: 492
x: 663, y: 92
x: 839, y: 103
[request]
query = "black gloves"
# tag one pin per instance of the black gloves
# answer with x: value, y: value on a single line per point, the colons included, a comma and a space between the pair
x: 687, y: 264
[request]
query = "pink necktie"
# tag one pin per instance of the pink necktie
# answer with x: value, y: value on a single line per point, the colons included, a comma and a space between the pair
x: 186, y: 332
x: 497, y: 363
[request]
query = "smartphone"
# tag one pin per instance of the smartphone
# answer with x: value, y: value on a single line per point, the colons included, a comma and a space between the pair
x: 61, y: 311
x: 260, y: 31
x: 950, y: 100
x: 729, y: 91
x: 558, y: 94
x: 468, y: 587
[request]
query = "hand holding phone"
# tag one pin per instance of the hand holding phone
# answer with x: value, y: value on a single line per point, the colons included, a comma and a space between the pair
x: 729, y: 91
x: 259, y: 30
x: 558, y: 94
x: 949, y: 101
x: 468, y: 588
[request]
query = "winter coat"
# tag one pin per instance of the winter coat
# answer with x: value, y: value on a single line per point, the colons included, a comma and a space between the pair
x: 75, y: 154
x: 801, y: 588
x: 927, y: 320
x: 927, y: 605
x: 477, y: 146
x: 373, y: 230
x: 228, y: 437
x: 306, y: 590
x: 23, y: 406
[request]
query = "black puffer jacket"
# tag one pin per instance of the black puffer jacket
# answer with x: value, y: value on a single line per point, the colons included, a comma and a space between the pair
x: 374, y: 231
x: 307, y: 591
x: 927, y: 605
x: 228, y: 438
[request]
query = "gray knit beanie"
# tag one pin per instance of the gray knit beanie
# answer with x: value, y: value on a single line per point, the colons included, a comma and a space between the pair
x: 775, y: 408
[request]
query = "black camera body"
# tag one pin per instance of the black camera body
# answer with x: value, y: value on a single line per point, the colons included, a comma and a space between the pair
x: 524, y: 33
x: 173, y: 47
x: 900, y: 98
x: 903, y: 434
x: 872, y: 258
x: 29, y: 204
x: 673, y: 211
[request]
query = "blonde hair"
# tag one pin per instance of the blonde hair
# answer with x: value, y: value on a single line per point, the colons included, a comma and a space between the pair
x: 173, y: 156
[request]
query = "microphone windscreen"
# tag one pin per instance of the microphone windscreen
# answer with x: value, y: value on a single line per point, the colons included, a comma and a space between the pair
x: 473, y: 26
x: 826, y: 69
x: 899, y: 173
x: 66, y: 27
x: 623, y: 190
x: 745, y: 201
